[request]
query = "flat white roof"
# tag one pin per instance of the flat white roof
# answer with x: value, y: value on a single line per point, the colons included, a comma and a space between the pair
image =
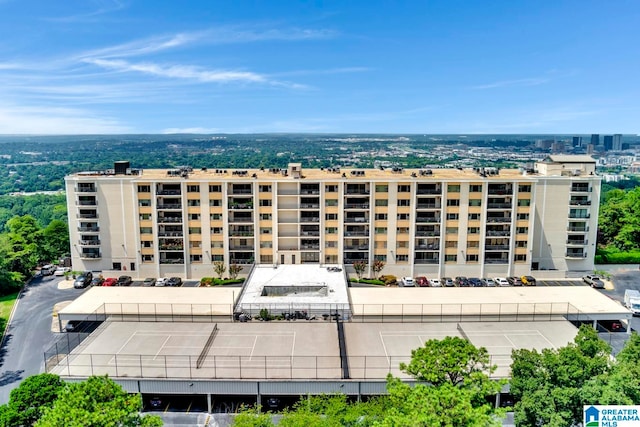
x: 215, y: 300
x: 583, y: 298
x: 326, y: 288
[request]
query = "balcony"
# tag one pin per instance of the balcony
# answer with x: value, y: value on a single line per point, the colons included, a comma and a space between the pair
x: 579, y: 216
x: 579, y: 202
x: 496, y: 247
x: 428, y: 206
x: 240, y: 247
x: 428, y: 219
x: 427, y: 247
x: 89, y: 229
x: 499, y: 189
x: 168, y: 192
x: 498, y: 233
x: 356, y: 219
x: 578, y: 229
x: 352, y: 259
x: 581, y: 188
x: 241, y: 218
x: 312, y: 247
x: 496, y: 261
x: 357, y: 189
x: 427, y: 233
x: 498, y: 205
x: 91, y: 242
x: 241, y: 232
x: 575, y: 255
x: 169, y: 206
x: 356, y: 247
x: 498, y: 219
x: 308, y: 219
x: 309, y: 205
x: 575, y: 242
x: 426, y: 261
x: 86, y: 188
x: 242, y: 261
x: 90, y: 255
x: 356, y: 206
x: 428, y: 189
x: 171, y: 247
x: 169, y: 219
x: 310, y: 233
x: 87, y: 202
x: 87, y: 215
x: 172, y: 261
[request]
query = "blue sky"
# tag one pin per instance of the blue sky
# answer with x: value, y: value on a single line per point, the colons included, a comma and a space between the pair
x: 126, y: 66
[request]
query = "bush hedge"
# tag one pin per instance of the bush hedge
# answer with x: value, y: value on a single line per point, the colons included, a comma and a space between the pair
x: 368, y: 281
x: 614, y: 256
x: 214, y: 281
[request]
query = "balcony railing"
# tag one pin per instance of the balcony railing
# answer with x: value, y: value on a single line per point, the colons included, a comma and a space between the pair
x: 170, y: 233
x: 309, y: 219
x: 91, y: 255
x: 420, y: 191
x: 89, y: 229
x: 497, y: 247
x: 172, y: 261
x: 356, y: 219
x: 427, y: 247
x: 426, y: 261
x: 428, y: 206
x: 86, y: 203
x: 578, y: 255
x: 498, y: 205
x: 579, y: 216
x: 356, y: 206
x: 169, y: 206
x: 577, y: 242
x: 496, y: 261
x: 310, y: 233
x: 356, y: 247
x: 171, y: 247
x: 93, y: 242
x: 304, y: 191
x: 357, y: 192
x: 87, y: 216
x: 356, y: 233
x: 313, y: 247
x: 500, y: 191
x: 168, y: 192
x: 578, y: 229
x: 580, y: 202
x: 498, y: 233
x: 581, y: 189
x: 240, y: 219
x: 427, y: 219
x: 499, y: 219
x: 240, y: 247
x: 238, y: 233
x: 91, y: 189
x: 427, y: 233
x: 235, y: 191
x: 309, y: 205
x: 169, y: 220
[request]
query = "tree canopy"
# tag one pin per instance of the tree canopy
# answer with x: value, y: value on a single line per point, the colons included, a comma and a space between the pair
x: 28, y: 401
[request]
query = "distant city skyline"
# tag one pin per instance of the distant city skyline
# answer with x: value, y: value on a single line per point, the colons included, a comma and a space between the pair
x: 415, y: 67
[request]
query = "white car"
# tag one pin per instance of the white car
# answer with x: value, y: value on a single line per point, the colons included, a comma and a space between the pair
x: 435, y: 283
x: 501, y: 281
x: 61, y: 270
x: 161, y: 281
x: 407, y: 282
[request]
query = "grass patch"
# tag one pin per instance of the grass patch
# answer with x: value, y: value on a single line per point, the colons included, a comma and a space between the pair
x: 368, y: 281
x: 214, y: 281
x: 6, y: 304
x: 615, y: 256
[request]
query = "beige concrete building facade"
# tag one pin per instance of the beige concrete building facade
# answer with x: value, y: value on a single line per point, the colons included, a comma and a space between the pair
x: 433, y: 222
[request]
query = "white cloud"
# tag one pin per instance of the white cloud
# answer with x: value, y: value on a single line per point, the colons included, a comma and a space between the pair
x: 510, y: 83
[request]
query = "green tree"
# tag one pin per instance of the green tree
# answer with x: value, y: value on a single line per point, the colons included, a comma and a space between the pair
x: 98, y: 401
x: 377, y: 267
x: 219, y: 268
x: 28, y: 401
x: 56, y: 239
x: 25, y: 239
x: 551, y: 386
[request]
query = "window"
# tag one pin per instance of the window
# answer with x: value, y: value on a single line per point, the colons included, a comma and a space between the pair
x: 381, y: 217
x: 522, y: 230
x: 267, y: 244
x: 475, y: 188
x: 195, y: 230
x: 116, y: 266
x: 382, y: 202
x: 195, y: 244
x: 265, y: 217
x: 402, y: 258
x: 521, y: 243
x: 402, y: 244
x: 523, y: 216
x: 146, y: 230
x: 403, y: 188
x: 194, y: 217
x: 473, y: 244
x: 474, y: 216
x: 381, y: 245
x: 331, y: 230
x: 330, y: 244
x: 472, y: 258
x: 144, y: 189
x: 146, y: 244
x: 453, y: 216
x: 473, y: 230
x: 264, y: 188
x: 266, y: 259
x: 382, y: 188
x: 217, y: 258
x: 451, y: 230
x: 381, y: 230
x: 380, y: 258
x: 404, y: 202
x: 196, y: 258
x: 147, y: 258
x: 331, y: 216
x: 265, y: 230
x: 331, y: 202
x: 453, y: 188
x: 145, y: 216
x: 451, y: 244
x: 520, y: 257
x: 524, y: 202
x: 193, y: 202
x: 403, y: 216
x: 193, y: 188
x: 451, y: 258
x: 215, y: 189
x: 216, y: 230
x: 331, y: 188
x: 215, y: 217
x: 215, y: 202
x: 264, y: 202
x: 475, y: 202
x: 524, y: 188
x: 402, y: 230
x: 453, y: 202
x: 144, y: 202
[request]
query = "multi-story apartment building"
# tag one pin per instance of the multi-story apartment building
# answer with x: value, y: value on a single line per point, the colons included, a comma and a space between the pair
x: 439, y: 222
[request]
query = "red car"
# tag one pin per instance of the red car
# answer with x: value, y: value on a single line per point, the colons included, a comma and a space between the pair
x: 422, y: 281
x: 110, y: 281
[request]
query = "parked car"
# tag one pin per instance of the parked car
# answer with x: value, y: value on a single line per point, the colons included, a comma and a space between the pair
x: 435, y: 283
x: 174, y: 281
x: 149, y: 281
x: 488, y: 281
x: 447, y: 281
x: 593, y: 281
x: 97, y: 281
x: 110, y: 281
x: 461, y: 281
x: 86, y: 326
x: 83, y: 280
x: 422, y: 281
x: 475, y: 282
x: 124, y: 281
x: 528, y: 280
x: 155, y: 402
x: 514, y: 281
x: 60, y: 271
x: 389, y: 279
x: 501, y: 281
x: 161, y: 281
x: 407, y: 282
x: 47, y: 270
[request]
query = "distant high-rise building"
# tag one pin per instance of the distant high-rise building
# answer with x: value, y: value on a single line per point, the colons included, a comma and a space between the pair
x: 617, y: 142
x: 557, y: 147
x: 591, y: 148
x: 577, y: 142
x: 595, y: 139
x: 544, y: 144
x: 608, y: 142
